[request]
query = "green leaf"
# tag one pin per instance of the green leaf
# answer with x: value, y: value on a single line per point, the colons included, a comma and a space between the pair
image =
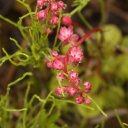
x: 112, y: 36
x: 52, y: 119
x: 81, y: 3
x: 125, y: 42
x: 113, y: 96
x: 116, y: 66
x: 122, y: 65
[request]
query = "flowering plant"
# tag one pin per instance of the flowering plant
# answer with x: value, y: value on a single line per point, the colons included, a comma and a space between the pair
x: 53, y: 15
x: 37, y: 51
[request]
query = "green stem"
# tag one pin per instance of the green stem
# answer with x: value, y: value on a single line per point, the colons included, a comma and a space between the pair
x: 42, y: 106
x: 98, y: 107
x: 16, y: 42
x: 125, y: 124
x: 9, y: 57
x: 19, y: 79
x: 60, y: 85
x: 52, y: 107
x: 84, y: 20
x: 8, y: 20
x: 25, y: 5
x: 75, y: 10
x: 26, y: 105
x: 103, y: 123
x: 14, y: 110
x: 102, y: 11
x: 119, y: 120
x: 58, y: 28
x: 21, y: 27
x: 13, y: 83
x: 72, y: 102
x: 97, y: 126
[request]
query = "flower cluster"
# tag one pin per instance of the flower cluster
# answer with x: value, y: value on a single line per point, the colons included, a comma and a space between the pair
x: 73, y: 56
x: 60, y: 63
x: 50, y: 11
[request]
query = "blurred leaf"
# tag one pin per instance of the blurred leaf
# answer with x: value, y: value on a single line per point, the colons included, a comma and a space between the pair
x: 116, y: 66
x: 91, y: 113
x: 91, y: 48
x: 125, y: 41
x: 40, y: 119
x: 53, y: 126
x: 108, y: 65
x: 122, y: 66
x: 53, y: 83
x: 52, y: 119
x: 48, y: 122
x: 113, y: 97
x: 112, y: 36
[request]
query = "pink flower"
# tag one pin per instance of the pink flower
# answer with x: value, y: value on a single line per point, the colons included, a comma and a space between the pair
x: 41, y: 14
x: 61, y: 4
x: 72, y: 91
x: 65, y: 33
x: 61, y: 76
x: 73, y: 56
x: 54, y: 6
x: 66, y: 20
x: 60, y: 90
x: 76, y: 54
x: 79, y: 99
x: 75, y: 37
x: 57, y: 64
x: 40, y: 3
x: 54, y: 20
x: 49, y: 64
x: 76, y: 82
x: 73, y: 75
x: 87, y: 101
x: 61, y: 58
x: 54, y: 53
x: 87, y: 85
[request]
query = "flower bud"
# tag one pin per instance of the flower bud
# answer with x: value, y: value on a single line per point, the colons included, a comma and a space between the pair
x: 54, y: 53
x: 54, y: 20
x: 79, y: 99
x: 54, y: 7
x: 40, y: 3
x: 72, y: 91
x: 57, y: 64
x: 41, y: 15
x: 87, y: 101
x: 61, y: 4
x: 73, y: 75
x: 66, y: 20
x: 87, y: 85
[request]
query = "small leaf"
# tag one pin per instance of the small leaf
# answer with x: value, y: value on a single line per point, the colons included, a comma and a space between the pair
x: 80, y: 2
x: 125, y: 41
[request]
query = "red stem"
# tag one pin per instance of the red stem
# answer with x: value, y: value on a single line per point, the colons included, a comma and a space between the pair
x: 87, y: 34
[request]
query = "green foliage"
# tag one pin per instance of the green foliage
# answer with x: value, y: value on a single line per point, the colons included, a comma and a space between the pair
x: 124, y: 42
x: 105, y: 68
x: 80, y: 3
x: 112, y: 37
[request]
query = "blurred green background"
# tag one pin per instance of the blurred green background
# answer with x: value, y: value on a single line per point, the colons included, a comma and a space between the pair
x: 105, y: 64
